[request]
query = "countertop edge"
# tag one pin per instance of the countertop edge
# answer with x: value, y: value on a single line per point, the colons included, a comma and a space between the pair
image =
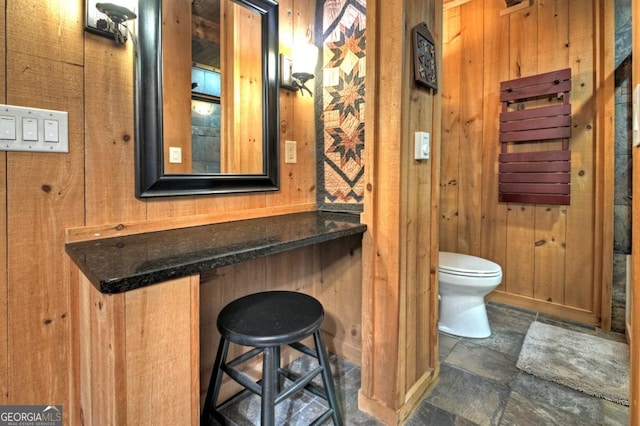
x: 144, y: 279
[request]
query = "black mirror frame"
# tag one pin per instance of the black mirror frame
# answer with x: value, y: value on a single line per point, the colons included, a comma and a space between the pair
x: 149, y: 162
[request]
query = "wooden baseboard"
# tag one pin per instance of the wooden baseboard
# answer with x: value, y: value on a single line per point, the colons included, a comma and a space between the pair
x: 414, y: 397
x: 535, y: 305
x: 376, y: 409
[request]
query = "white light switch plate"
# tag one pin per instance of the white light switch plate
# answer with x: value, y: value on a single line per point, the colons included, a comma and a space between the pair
x: 636, y: 115
x: 30, y: 129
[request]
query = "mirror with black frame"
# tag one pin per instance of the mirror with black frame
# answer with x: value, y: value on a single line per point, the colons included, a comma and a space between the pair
x: 206, y: 97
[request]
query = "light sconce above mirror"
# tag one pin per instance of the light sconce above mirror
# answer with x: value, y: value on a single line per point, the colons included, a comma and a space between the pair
x: 108, y: 19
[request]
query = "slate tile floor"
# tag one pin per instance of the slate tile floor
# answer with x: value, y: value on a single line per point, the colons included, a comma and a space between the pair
x: 479, y: 385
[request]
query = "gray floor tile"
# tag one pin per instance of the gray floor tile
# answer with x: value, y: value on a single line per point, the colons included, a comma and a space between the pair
x: 483, y: 362
x: 446, y: 342
x: 427, y: 414
x: 522, y: 411
x: 561, y: 397
x: 507, y: 318
x: 468, y: 396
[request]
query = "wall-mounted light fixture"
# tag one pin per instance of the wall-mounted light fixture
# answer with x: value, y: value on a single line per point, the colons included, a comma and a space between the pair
x: 295, y: 72
x: 108, y: 19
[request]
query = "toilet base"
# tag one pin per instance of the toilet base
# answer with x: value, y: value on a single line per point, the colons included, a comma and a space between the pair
x: 464, y: 316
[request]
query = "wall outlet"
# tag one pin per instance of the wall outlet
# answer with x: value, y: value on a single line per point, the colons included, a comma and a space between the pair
x: 175, y: 154
x: 290, y: 154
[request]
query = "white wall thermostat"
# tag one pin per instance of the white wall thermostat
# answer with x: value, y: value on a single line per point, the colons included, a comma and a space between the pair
x: 422, y: 145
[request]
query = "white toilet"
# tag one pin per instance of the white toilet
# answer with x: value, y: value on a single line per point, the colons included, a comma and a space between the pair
x: 464, y: 281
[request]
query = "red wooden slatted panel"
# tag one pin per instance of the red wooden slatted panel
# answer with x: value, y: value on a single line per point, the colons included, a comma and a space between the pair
x: 516, y: 83
x: 564, y: 200
x: 559, y: 166
x: 536, y: 123
x: 536, y: 135
x: 536, y: 177
x: 536, y: 85
x: 535, y: 156
x: 535, y: 91
x: 549, y: 111
x: 535, y: 188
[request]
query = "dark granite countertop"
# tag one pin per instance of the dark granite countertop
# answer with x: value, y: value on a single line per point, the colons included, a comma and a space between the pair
x: 120, y: 264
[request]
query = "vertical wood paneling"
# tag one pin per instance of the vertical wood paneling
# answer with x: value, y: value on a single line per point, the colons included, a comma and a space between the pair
x: 523, y: 35
x: 581, y: 215
x: 634, y: 386
x: 159, y: 320
x: 381, y: 273
x: 4, y: 349
x: 449, y: 164
x: 216, y: 290
x: 419, y: 107
x: 176, y: 82
x: 44, y: 194
x: 102, y: 350
x: 110, y: 133
x: 496, y: 69
x: 550, y: 221
x: 338, y: 278
x: 297, y: 111
x: 471, y: 118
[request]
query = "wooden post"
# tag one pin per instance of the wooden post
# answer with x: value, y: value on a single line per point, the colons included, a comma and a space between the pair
x: 634, y: 390
x: 399, y: 336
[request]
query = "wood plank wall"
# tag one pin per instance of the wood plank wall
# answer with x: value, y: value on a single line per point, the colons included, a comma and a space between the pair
x: 400, y: 208
x: 48, y: 61
x: 4, y: 336
x: 555, y: 259
x: 634, y: 391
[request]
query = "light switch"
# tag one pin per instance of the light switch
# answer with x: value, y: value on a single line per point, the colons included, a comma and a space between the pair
x: 51, y: 131
x: 7, y: 127
x: 29, y: 129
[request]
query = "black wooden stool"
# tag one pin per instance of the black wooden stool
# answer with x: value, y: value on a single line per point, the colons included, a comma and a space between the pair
x: 266, y: 321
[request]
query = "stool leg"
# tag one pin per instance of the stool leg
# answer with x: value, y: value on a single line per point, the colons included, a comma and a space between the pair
x: 276, y: 352
x: 214, y: 384
x: 269, y: 386
x: 327, y: 378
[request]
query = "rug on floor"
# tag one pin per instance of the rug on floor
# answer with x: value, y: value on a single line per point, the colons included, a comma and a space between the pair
x: 581, y: 361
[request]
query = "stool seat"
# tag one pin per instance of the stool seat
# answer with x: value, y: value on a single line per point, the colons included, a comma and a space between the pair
x: 270, y: 318
x: 266, y: 321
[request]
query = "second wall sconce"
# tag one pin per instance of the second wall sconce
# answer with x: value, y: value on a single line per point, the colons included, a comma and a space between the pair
x: 108, y: 20
x: 293, y: 80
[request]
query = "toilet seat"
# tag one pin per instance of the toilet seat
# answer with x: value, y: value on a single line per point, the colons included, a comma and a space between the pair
x: 465, y: 265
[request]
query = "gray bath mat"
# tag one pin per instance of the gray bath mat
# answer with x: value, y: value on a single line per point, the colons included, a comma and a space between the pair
x: 587, y: 363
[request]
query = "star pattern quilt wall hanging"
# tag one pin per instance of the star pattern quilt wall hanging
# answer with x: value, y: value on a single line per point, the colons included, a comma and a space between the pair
x: 340, y: 104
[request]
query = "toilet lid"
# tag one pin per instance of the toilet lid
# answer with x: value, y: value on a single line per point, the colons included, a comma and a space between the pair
x: 464, y: 264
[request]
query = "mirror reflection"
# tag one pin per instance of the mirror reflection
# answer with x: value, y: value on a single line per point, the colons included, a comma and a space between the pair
x: 225, y: 90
